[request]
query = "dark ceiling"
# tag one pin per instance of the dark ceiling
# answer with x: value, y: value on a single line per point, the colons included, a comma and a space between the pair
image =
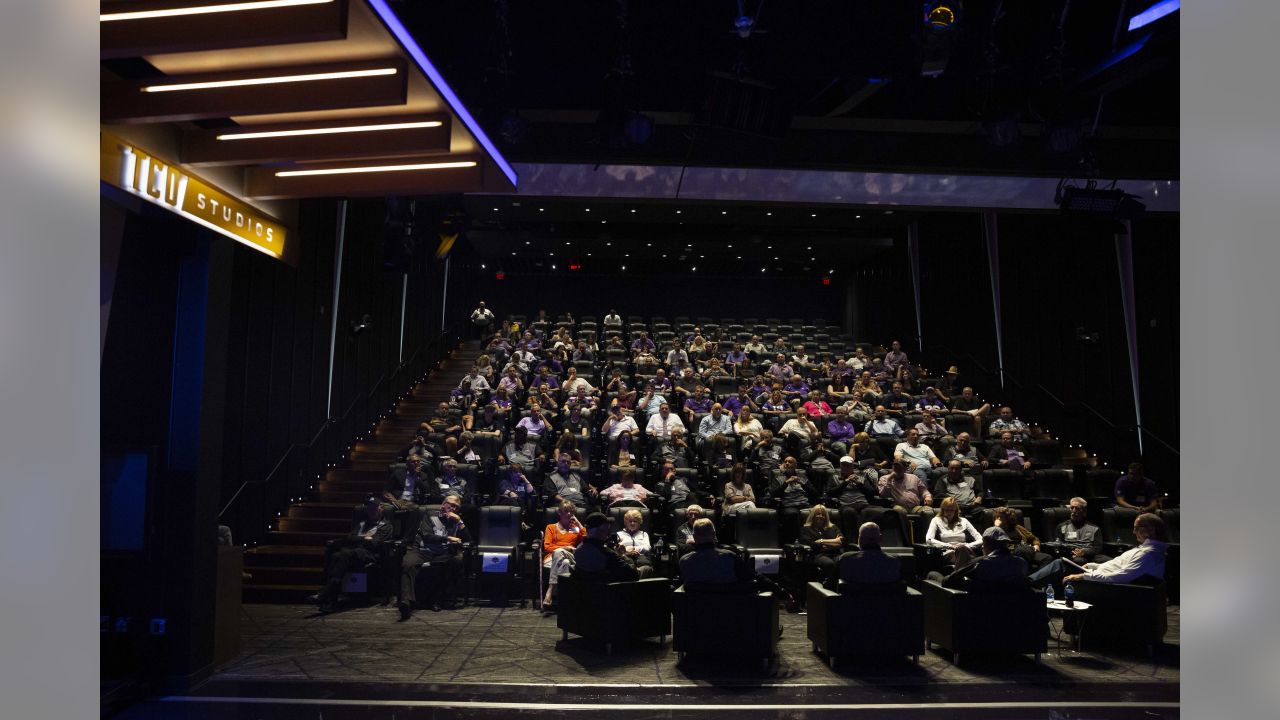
x: 817, y: 84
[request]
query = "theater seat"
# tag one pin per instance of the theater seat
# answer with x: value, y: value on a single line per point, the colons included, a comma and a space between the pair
x: 964, y: 622
x: 728, y: 627
x: 859, y: 623
x: 614, y: 613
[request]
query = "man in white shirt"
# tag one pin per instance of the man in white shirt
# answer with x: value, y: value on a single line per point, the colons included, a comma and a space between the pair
x: 572, y: 383
x: 801, y: 428
x: 661, y: 424
x: 920, y: 458
x: 1146, y: 559
x: 617, y: 423
x: 613, y: 318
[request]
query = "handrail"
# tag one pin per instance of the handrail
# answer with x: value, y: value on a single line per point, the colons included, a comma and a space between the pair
x: 326, y: 424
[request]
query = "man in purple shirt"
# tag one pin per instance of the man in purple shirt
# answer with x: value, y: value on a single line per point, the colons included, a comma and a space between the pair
x: 697, y: 403
x: 642, y: 343
x: 734, y: 403
x: 841, y: 432
x: 1136, y: 491
x: 795, y: 388
x: 535, y: 425
x: 736, y: 356
x: 780, y: 371
x: 895, y: 357
x: 661, y: 383
x: 531, y: 343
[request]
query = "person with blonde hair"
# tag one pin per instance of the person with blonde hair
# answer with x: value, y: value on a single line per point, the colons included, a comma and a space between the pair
x: 951, y: 532
x: 824, y: 541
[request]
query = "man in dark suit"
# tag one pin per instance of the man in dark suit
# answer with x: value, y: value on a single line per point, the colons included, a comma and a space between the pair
x: 369, y: 529
x: 437, y: 544
x: 409, y: 485
x: 710, y: 565
x: 594, y: 561
x: 869, y: 565
x: 998, y: 568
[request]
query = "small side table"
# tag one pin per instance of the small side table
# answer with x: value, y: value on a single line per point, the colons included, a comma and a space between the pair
x: 1075, y: 615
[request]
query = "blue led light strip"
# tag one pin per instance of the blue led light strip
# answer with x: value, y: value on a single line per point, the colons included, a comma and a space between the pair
x: 406, y: 40
x: 1154, y: 13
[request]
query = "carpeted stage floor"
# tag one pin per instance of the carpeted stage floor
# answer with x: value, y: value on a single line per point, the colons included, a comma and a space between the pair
x: 486, y: 661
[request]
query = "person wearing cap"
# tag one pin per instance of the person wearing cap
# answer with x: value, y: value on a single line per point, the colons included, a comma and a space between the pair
x: 997, y: 568
x: 947, y: 386
x: 851, y: 488
x: 593, y: 561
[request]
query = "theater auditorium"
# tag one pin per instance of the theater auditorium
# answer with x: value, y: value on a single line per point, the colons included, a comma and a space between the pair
x: 487, y: 359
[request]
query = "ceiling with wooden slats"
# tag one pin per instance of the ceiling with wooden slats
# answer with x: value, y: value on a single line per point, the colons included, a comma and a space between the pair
x: 293, y: 98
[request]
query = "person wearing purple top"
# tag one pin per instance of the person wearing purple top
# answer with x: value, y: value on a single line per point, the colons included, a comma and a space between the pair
x: 551, y: 364
x: 931, y: 401
x: 780, y: 370
x: 642, y: 343
x: 661, y: 383
x: 758, y: 387
x: 736, y: 356
x: 545, y: 377
x: 535, y: 425
x: 1008, y: 454
x: 795, y: 388
x: 1136, y: 491
x: 734, y: 403
x: 531, y: 343
x: 697, y: 403
x: 895, y: 357
x: 841, y: 432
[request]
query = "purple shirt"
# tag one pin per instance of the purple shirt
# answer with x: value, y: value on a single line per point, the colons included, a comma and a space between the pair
x: 535, y: 427
x: 841, y: 431
x: 1136, y: 491
x: 795, y: 389
x: 643, y: 343
x: 782, y: 372
x: 894, y: 358
x: 736, y: 357
x: 733, y: 405
x: 698, y: 405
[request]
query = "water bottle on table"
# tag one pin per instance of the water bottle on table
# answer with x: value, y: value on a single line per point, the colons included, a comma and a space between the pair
x: 1048, y: 593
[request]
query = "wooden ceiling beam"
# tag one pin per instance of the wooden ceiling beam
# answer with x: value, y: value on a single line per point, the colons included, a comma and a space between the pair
x: 218, y: 30
x: 130, y: 101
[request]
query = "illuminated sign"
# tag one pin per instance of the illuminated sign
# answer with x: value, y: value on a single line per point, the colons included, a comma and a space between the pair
x: 136, y: 171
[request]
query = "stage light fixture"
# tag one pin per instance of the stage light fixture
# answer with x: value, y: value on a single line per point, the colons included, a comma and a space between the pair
x: 1090, y: 200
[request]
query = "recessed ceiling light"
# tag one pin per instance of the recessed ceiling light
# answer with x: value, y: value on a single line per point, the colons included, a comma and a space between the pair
x: 724, y: 212
x: 377, y: 169
x: 553, y: 267
x: 541, y: 209
x: 626, y: 254
x: 730, y: 245
x: 679, y: 211
x: 207, y: 9
x: 664, y: 254
x: 739, y: 257
x: 495, y: 209
x: 649, y: 245
x: 608, y: 244
x: 694, y: 268
x: 270, y: 80
x: 829, y: 272
x: 335, y: 130
x: 702, y: 256
x: 633, y: 209
x: 588, y: 209
x: 809, y: 248
x: 857, y: 217
x: 567, y: 243
x: 761, y: 269
x: 588, y: 254
x: 776, y: 258
x: 602, y: 222
x: 624, y: 267
x: 770, y: 215
x: 888, y: 212
x: 526, y: 242
x: 813, y: 214
x: 513, y: 253
x: 482, y: 266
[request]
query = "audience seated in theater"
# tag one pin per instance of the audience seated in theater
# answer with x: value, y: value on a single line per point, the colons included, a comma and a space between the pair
x: 950, y: 532
x: 661, y: 384
x: 565, y: 483
x: 450, y: 482
x: 966, y: 453
x: 720, y: 452
x: 755, y: 349
x: 577, y: 422
x: 625, y: 492
x: 674, y: 488
x: 663, y: 423
x: 948, y: 385
x: 502, y: 401
x: 1022, y: 542
x: 965, y: 490
x: 687, y: 383
x: 869, y: 455
x: 736, y: 358
x: 465, y: 452
x: 790, y: 490
x: 800, y: 358
x: 515, y: 490
x: 868, y: 388
x: 438, y: 540
x: 896, y: 402
x: 642, y: 344
x: 932, y: 431
x: 409, y: 486
x: 881, y: 425
x: 489, y: 423
x: 774, y: 408
x: 858, y: 361
x: 417, y: 448
x: 633, y: 543
x: 618, y: 423
x: 780, y: 371
x: 443, y: 421
x: 841, y: 431
x: 1008, y: 454
x: 907, y: 491
x: 851, y: 487
x: 920, y: 458
x: 858, y: 410
x: 622, y: 455
x: 820, y: 458
x: 624, y: 394
x: 567, y: 445
x: 711, y: 424
x: 559, y: 541
x: 1145, y: 559
x: 795, y: 389
x: 613, y: 319
x: 520, y: 449
x: 930, y: 401
x: 1008, y: 423
x: 696, y: 404
x: 767, y: 455
x: 593, y: 560
x: 650, y: 401
x: 1136, y: 491
x: 824, y: 542
x: 996, y: 569
x: 869, y: 565
x: 816, y: 405
x: 799, y: 432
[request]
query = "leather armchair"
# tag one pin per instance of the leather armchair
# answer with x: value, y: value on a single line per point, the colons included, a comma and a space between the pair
x: 992, y: 622
x: 1124, y: 614
x: 727, y: 625
x: 615, y: 612
x: 853, y: 623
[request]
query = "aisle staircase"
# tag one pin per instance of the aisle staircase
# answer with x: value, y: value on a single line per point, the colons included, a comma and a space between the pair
x: 289, y: 564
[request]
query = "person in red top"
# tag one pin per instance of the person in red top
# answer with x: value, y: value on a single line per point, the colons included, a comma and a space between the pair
x: 816, y: 405
x: 558, y: 543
